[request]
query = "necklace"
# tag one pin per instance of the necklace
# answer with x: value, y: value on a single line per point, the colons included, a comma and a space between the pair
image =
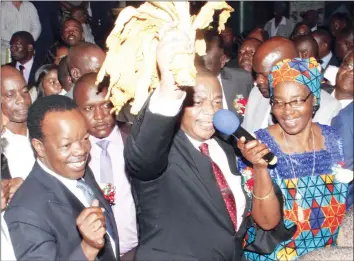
x: 298, y: 195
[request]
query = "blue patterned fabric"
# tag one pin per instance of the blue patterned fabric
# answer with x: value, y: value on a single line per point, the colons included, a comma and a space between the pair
x: 315, y: 202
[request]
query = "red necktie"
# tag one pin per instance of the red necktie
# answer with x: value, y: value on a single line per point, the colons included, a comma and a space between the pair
x: 224, y: 187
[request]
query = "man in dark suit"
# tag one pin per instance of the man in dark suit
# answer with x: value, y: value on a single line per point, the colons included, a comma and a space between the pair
x: 190, y: 201
x: 57, y: 213
x: 343, y: 122
x: 234, y: 81
x: 324, y: 41
x: 23, y: 58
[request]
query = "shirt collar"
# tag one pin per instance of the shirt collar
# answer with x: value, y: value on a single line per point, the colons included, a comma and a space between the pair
x: 114, y: 137
x: 27, y: 65
x: 9, y: 134
x: 69, y: 183
x: 197, y: 143
x: 326, y: 59
x: 283, y: 21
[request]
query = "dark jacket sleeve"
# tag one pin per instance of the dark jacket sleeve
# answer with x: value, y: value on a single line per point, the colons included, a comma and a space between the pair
x: 147, y: 148
x: 32, y: 238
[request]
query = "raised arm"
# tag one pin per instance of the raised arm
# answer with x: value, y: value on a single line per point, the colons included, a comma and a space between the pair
x: 265, y: 204
x: 147, y: 148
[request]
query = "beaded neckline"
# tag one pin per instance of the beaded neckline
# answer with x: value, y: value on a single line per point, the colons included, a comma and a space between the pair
x: 303, y: 161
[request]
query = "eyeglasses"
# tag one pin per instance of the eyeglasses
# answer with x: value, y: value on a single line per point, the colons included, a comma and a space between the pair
x: 293, y: 104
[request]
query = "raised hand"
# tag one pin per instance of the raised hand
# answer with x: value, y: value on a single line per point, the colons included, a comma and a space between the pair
x: 253, y: 151
x: 5, y: 188
x: 92, y: 226
x: 14, y: 184
x: 174, y: 45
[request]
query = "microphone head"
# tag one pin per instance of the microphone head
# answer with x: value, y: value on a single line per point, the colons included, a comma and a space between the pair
x: 226, y: 122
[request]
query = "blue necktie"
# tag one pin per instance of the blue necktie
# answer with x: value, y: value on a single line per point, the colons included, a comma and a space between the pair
x: 90, y: 196
x: 106, y: 172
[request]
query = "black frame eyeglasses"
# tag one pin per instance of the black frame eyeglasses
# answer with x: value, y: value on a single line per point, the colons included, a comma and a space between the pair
x: 293, y: 104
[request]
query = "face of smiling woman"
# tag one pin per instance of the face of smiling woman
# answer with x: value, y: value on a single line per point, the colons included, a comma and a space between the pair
x: 293, y: 120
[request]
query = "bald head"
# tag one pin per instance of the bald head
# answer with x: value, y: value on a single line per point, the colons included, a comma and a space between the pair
x: 84, y: 58
x: 306, y: 46
x: 94, y: 107
x: 8, y: 72
x: 324, y: 42
x: 86, y: 84
x: 267, y: 55
x: 272, y: 51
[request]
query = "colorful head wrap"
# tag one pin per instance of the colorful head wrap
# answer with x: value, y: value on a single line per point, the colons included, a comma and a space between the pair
x: 304, y: 71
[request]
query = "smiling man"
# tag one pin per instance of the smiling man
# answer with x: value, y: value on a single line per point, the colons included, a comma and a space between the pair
x: 187, y: 184
x: 60, y: 212
x: 72, y: 32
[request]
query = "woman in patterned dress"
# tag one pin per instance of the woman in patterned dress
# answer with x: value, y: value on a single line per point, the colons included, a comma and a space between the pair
x: 309, y: 157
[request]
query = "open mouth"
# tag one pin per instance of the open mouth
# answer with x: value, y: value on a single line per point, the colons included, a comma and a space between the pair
x: 206, y: 125
x: 291, y: 122
x: 77, y: 166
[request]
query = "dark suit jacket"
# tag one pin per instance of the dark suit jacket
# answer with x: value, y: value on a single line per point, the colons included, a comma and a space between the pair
x: 343, y: 122
x: 42, y: 219
x: 333, y: 61
x: 36, y: 64
x: 235, y: 81
x: 181, y: 212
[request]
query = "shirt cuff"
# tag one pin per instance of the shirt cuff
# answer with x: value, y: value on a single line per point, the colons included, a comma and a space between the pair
x: 169, y: 108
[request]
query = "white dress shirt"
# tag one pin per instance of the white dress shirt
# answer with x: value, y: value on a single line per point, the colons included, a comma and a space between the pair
x: 224, y: 103
x: 124, y: 208
x: 20, y: 158
x: 344, y: 103
x: 326, y: 59
x: 217, y: 154
x: 88, y: 33
x: 19, y: 154
x: 23, y: 19
x: 70, y: 184
x: 27, y: 70
x: 273, y: 29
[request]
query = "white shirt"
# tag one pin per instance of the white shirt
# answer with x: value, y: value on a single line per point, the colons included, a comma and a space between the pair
x: 224, y: 103
x: 273, y: 29
x: 20, y: 158
x: 19, y: 154
x: 124, y: 208
x: 217, y: 154
x: 27, y: 70
x: 330, y: 74
x: 314, y: 28
x: 88, y: 33
x: 344, y: 103
x: 23, y: 19
x: 71, y: 185
x: 326, y: 59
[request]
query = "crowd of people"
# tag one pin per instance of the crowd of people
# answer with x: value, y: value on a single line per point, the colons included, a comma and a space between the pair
x: 80, y: 183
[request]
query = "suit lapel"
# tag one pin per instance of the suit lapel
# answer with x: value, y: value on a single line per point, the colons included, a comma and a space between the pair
x: 227, y: 86
x: 204, y: 177
x: 91, y: 182
x: 62, y: 195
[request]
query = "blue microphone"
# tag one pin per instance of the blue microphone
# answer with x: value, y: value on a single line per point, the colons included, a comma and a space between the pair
x: 226, y: 122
